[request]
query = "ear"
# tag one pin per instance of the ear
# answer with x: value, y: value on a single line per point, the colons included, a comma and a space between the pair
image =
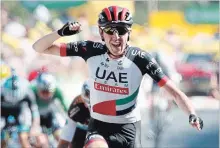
x: 128, y: 36
x: 101, y: 33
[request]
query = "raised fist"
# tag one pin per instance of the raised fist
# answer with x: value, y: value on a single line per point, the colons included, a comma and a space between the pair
x: 69, y: 28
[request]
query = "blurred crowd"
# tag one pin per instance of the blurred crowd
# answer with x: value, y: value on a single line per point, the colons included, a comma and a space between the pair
x: 17, y: 52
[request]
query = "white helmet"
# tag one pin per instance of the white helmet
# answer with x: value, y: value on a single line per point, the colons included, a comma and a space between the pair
x: 46, y: 85
x: 46, y: 82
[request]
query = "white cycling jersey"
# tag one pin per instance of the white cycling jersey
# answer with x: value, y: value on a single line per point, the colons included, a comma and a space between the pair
x: 114, y: 84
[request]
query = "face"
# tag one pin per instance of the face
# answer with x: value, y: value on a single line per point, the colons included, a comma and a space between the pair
x: 116, y: 39
x: 46, y: 95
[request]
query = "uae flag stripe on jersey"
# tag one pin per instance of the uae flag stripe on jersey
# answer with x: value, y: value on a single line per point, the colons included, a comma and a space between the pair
x: 117, y: 107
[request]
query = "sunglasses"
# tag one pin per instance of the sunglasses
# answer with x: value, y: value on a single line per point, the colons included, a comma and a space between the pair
x: 117, y: 29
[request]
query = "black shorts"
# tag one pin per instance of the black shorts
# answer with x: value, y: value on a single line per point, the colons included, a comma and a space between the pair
x: 117, y: 135
x: 79, y: 138
x: 49, y: 121
x: 16, y: 113
x: 11, y: 111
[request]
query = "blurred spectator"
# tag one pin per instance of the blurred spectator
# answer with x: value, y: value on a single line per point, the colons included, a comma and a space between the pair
x: 85, y: 33
x: 41, y: 13
x: 15, y: 29
x: 215, y: 81
x: 4, y: 17
x: 5, y: 71
x: 217, y: 34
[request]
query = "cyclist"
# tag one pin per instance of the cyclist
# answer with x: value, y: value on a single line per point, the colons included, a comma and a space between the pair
x: 113, y: 85
x: 46, y: 92
x: 17, y: 100
x: 74, y: 132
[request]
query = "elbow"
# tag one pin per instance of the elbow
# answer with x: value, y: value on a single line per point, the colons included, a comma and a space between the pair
x: 34, y: 46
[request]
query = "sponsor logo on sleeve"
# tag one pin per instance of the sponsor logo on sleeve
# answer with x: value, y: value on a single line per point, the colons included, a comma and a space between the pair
x: 157, y: 71
x: 139, y: 53
x: 97, y: 45
x: 150, y: 65
x: 153, y: 68
x: 75, y: 47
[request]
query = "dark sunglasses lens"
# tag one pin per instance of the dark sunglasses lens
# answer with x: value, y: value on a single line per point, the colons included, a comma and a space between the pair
x: 109, y: 30
x: 119, y: 30
x: 122, y: 30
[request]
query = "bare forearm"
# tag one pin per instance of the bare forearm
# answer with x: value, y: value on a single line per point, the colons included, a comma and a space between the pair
x: 184, y: 103
x: 180, y: 98
x: 45, y: 42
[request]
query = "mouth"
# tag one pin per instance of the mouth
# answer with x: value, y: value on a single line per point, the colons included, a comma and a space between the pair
x: 116, y: 44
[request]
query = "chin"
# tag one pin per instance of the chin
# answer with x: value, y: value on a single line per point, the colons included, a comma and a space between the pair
x: 117, y: 53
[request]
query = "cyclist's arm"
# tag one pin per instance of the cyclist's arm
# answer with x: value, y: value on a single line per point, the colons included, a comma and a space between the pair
x: 84, y: 49
x: 179, y: 97
x: 156, y: 73
x: 60, y: 97
x: 46, y: 44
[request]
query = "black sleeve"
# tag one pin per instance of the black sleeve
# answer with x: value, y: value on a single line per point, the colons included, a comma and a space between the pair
x: 147, y: 65
x: 84, y: 49
x: 79, y: 113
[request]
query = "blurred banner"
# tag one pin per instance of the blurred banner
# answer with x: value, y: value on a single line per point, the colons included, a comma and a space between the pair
x: 202, y: 14
x: 193, y: 19
x: 167, y: 19
x: 31, y: 5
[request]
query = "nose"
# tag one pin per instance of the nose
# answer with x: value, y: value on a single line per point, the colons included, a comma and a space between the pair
x: 116, y: 35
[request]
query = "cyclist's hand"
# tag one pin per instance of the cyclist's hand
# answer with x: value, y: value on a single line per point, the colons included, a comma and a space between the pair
x: 70, y: 28
x: 196, y: 121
